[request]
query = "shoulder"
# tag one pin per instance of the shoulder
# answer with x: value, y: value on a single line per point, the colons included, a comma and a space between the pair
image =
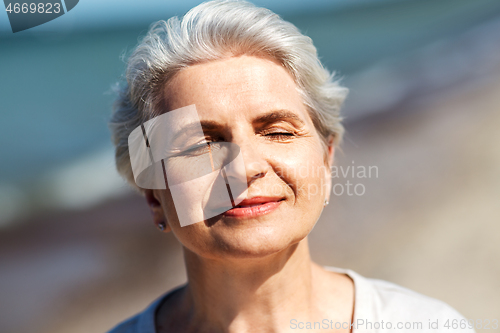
x: 378, y: 301
x: 143, y: 322
x: 128, y: 326
x: 399, y: 303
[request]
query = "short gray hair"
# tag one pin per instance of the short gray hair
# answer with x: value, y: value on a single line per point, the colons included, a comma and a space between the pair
x: 210, y: 31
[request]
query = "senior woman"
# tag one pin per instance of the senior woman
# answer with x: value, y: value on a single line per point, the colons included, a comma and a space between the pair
x: 220, y: 112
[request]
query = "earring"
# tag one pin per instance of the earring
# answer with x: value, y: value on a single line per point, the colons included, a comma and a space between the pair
x: 162, y: 226
x: 326, y: 203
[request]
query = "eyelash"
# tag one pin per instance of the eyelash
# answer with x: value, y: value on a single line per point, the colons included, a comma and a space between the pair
x: 280, y: 136
x: 199, y: 148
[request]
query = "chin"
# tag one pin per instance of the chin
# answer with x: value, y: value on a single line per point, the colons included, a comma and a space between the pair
x: 257, y: 243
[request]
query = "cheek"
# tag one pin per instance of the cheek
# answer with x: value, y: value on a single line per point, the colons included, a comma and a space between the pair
x: 190, y: 236
x: 303, y: 169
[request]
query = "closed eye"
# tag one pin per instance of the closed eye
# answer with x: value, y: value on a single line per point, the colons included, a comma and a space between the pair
x: 280, y: 136
x: 199, y: 149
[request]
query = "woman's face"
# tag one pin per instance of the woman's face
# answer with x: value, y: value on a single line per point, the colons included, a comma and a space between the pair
x: 253, y: 102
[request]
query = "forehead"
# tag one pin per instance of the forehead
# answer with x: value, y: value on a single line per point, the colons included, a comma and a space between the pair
x: 236, y: 86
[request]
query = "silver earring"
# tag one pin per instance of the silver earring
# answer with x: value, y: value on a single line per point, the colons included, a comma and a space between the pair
x: 162, y: 226
x: 326, y: 203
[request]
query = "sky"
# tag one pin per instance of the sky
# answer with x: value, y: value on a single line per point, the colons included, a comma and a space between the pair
x: 95, y: 14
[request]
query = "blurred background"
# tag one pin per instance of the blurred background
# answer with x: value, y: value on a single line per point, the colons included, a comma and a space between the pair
x: 78, y: 250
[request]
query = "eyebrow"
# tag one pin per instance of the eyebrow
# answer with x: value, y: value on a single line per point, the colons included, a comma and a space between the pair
x: 194, y: 126
x: 210, y: 125
x: 278, y: 115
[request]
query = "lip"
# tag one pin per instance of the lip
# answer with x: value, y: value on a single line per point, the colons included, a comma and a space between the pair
x: 255, y: 206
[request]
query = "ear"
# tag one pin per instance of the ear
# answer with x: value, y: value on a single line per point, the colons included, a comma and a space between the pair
x: 330, y: 153
x: 156, y: 210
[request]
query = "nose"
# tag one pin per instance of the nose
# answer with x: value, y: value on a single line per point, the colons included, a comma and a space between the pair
x: 256, y: 166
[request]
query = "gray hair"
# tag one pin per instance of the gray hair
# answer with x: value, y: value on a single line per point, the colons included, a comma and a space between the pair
x: 215, y: 30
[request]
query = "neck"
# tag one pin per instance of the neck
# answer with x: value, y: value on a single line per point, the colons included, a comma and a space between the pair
x: 250, y: 294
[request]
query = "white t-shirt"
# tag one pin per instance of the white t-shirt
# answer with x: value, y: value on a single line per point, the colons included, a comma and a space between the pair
x: 379, y: 306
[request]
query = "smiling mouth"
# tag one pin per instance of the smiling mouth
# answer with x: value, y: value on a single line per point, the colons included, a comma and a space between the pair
x: 254, y: 207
